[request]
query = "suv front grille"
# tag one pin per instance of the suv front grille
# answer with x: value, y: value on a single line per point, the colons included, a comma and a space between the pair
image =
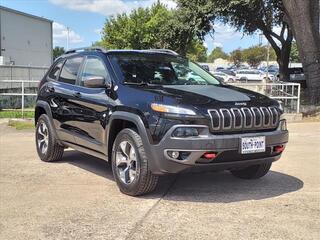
x: 240, y: 119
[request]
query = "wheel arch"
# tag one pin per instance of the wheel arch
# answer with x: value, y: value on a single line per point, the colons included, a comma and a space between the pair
x: 120, y: 120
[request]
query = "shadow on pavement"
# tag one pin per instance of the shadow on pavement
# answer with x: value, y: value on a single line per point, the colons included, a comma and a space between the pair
x: 200, y: 187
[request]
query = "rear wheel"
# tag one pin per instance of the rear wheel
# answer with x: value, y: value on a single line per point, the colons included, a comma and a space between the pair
x: 130, y: 164
x: 252, y: 172
x: 48, y: 147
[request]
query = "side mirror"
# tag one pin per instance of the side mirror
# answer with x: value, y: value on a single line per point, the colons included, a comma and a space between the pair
x: 94, y: 82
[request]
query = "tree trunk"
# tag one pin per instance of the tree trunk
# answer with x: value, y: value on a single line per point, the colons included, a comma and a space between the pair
x: 282, y: 53
x: 301, y: 15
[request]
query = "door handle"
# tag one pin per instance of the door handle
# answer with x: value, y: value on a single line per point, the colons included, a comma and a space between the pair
x: 77, y: 94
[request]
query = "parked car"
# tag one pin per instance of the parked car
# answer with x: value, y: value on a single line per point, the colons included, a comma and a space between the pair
x: 228, y: 71
x: 225, y: 77
x: 297, y: 76
x: 140, y: 111
x: 252, y: 75
x: 205, y: 67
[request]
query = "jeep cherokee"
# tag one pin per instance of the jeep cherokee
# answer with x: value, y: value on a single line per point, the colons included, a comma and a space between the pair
x: 153, y: 112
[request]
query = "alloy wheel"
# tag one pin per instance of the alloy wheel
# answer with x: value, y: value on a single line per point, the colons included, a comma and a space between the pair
x: 126, y: 162
x: 43, y: 138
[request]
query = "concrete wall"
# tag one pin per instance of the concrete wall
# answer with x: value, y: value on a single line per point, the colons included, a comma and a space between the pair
x: 25, y: 39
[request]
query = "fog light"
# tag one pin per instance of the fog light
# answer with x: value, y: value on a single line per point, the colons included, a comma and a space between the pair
x: 185, y: 132
x: 173, y: 154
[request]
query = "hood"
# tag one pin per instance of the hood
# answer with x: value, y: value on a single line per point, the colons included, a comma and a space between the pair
x: 211, y: 94
x: 218, y: 93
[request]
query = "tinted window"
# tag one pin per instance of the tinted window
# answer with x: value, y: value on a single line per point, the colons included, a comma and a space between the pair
x: 55, y: 70
x: 94, y: 67
x: 70, y: 70
x: 160, y: 69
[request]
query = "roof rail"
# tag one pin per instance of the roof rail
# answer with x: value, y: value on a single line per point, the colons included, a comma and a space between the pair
x: 164, y: 51
x: 74, y: 50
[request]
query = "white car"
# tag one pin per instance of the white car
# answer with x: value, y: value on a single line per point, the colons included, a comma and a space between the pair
x: 226, y: 77
x: 252, y: 75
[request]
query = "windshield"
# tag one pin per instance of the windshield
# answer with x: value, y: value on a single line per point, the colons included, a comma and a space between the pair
x: 160, y: 69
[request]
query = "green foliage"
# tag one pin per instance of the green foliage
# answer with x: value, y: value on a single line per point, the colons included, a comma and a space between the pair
x: 294, y: 54
x: 154, y: 27
x: 16, y: 114
x: 217, y: 53
x: 21, y: 125
x: 58, y: 51
x: 236, y: 57
x: 254, y: 55
x: 197, y: 52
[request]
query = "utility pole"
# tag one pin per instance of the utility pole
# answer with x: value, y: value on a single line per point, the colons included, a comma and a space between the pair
x: 68, y: 37
x: 268, y: 56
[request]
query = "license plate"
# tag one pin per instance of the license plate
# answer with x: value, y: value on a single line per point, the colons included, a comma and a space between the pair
x: 253, y: 144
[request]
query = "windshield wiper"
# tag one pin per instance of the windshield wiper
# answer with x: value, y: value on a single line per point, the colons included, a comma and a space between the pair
x: 136, y: 84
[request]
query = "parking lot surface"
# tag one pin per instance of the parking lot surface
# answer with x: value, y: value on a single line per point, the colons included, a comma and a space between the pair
x: 77, y: 198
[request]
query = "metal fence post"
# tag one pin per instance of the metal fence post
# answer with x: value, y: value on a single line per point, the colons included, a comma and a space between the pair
x: 298, y: 101
x: 22, y: 98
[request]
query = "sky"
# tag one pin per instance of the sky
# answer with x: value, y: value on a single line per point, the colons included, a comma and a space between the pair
x: 85, y: 20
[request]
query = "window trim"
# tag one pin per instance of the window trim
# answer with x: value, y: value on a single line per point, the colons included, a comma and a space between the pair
x: 78, y: 83
x: 79, y: 70
x: 63, y: 60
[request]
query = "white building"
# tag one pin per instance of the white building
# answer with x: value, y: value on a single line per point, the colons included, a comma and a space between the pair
x: 24, y: 39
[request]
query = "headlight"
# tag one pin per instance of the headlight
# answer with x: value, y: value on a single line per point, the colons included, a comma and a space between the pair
x: 171, y: 109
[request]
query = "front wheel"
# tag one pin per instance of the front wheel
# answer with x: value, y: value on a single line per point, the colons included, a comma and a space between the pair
x: 252, y: 172
x: 130, y: 164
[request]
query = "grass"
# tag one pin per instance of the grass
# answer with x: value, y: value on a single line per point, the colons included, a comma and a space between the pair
x: 16, y: 114
x: 20, y: 125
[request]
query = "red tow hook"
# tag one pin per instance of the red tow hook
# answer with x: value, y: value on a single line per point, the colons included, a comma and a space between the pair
x: 210, y: 155
x: 278, y: 149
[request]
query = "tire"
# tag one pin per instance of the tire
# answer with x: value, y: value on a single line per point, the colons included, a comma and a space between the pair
x: 127, y: 148
x: 54, y: 150
x: 252, y: 172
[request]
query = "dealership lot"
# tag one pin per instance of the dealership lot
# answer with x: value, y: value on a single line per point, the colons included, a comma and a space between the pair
x: 78, y: 199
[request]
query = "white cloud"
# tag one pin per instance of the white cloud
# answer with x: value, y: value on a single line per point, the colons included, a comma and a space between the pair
x: 217, y: 44
x: 108, y: 7
x: 60, y: 33
x: 224, y: 32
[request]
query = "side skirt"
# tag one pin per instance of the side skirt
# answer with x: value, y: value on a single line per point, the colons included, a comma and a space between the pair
x: 86, y: 150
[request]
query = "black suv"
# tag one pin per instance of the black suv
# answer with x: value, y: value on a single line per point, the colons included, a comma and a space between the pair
x: 153, y: 112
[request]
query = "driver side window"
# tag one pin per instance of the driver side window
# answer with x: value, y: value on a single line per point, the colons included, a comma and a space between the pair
x: 94, y: 67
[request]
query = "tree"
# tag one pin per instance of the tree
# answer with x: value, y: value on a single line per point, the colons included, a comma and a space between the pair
x: 197, y: 52
x: 58, y: 51
x: 154, y: 27
x: 217, y: 53
x: 236, y: 57
x: 254, y: 55
x: 303, y: 18
x: 249, y: 16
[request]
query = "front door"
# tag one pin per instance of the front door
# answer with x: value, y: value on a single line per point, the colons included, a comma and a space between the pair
x: 94, y: 104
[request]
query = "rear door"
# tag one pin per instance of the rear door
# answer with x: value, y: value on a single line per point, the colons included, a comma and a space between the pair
x: 64, y: 108
x: 94, y: 104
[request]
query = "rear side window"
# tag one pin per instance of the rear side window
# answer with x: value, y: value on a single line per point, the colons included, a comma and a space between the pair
x: 55, y: 70
x: 70, y: 70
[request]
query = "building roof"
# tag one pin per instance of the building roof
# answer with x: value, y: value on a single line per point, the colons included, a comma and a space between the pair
x: 24, y: 14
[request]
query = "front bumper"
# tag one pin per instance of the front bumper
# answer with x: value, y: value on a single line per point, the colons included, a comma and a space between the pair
x: 227, y: 146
